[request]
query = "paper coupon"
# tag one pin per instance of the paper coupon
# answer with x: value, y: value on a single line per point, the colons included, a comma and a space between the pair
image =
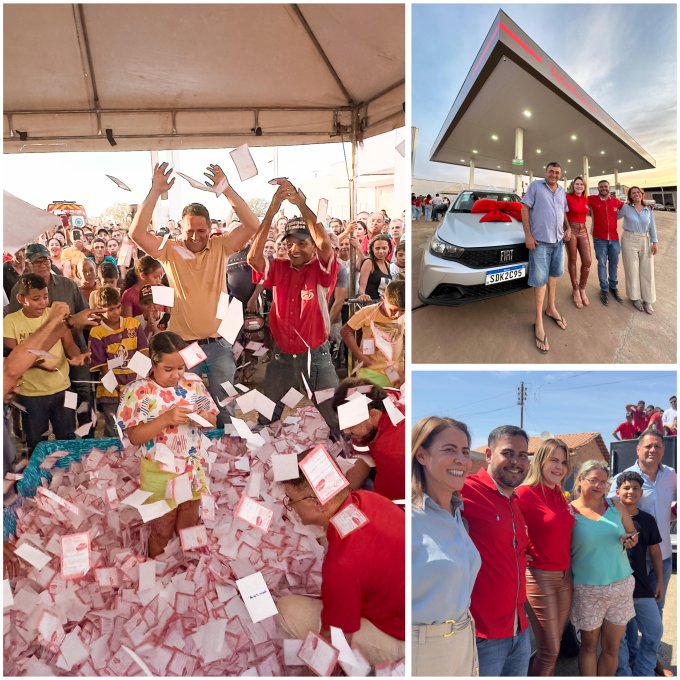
x: 110, y: 381
x: 75, y: 555
x: 349, y: 519
x: 323, y: 474
x: 107, y: 577
x: 124, y: 254
x: 163, y: 295
x: 199, y: 420
x: 285, y: 467
x: 232, y: 322
x: 116, y: 181
x: 58, y: 500
x: 322, y: 210
x: 396, y: 416
x: 163, y: 454
x: 179, y: 489
x: 208, y: 508
x: 254, y: 513
x: 140, y: 364
x: 51, y: 631
x: 193, y: 538
x: 319, y: 656
x: 147, y: 574
x: 368, y: 346
x: 33, y: 556
x: 70, y: 400
x: 324, y: 395
x: 292, y: 397
x: 164, y: 241
x: 192, y: 355
x: 244, y: 162
x: 229, y: 389
x: 352, y: 413
x: 256, y: 597
x: 7, y: 597
x: 151, y: 511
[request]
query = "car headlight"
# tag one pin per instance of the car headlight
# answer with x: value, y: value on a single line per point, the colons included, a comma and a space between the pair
x: 443, y: 249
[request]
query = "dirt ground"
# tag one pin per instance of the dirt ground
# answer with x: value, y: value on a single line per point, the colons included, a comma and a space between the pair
x: 501, y: 330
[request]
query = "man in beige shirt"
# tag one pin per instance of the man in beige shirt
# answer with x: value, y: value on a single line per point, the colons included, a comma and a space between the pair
x: 198, y: 280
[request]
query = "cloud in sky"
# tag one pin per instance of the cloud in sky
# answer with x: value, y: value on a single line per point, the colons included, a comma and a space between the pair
x: 624, y: 56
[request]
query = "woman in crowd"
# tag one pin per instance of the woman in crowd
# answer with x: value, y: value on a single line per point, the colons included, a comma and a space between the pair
x: 112, y: 247
x: 550, y: 523
x: 147, y: 272
x: 638, y: 247
x: 579, y: 243
x: 359, y: 229
x: 13, y: 269
x: 444, y: 559
x: 88, y: 278
x: 155, y: 410
x: 281, y: 249
x: 375, y: 269
x: 55, y: 248
x: 603, y: 578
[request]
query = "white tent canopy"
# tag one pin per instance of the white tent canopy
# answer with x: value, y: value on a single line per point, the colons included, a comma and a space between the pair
x: 98, y: 77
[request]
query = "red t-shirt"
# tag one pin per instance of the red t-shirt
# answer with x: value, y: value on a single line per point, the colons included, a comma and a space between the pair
x: 363, y: 574
x: 550, y: 522
x: 388, y: 451
x: 300, y: 303
x: 640, y: 420
x: 627, y: 430
x: 655, y: 422
x: 605, y: 215
x: 498, y: 530
x: 578, y: 208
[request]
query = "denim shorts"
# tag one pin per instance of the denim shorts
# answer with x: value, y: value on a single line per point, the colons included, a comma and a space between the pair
x: 547, y: 259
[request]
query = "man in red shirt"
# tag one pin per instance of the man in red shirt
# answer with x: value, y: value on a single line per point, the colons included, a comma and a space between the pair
x: 384, y: 440
x: 499, y: 532
x: 640, y: 419
x: 654, y: 415
x: 625, y: 430
x: 299, y: 319
x: 604, y: 210
x: 363, y: 575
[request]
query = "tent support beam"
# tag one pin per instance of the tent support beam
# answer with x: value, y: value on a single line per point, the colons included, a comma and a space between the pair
x: 322, y: 54
x: 86, y: 56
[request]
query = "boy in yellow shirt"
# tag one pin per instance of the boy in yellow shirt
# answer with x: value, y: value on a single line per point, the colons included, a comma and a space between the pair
x: 41, y: 391
x: 382, y: 338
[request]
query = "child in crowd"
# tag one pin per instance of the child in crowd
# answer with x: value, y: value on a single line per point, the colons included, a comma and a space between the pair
x: 148, y: 272
x: 398, y: 265
x: 116, y: 337
x: 152, y: 318
x: 382, y: 337
x: 155, y: 410
x: 41, y: 391
x: 647, y: 615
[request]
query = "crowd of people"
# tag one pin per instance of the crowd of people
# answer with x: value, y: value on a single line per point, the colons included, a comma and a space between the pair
x: 641, y: 417
x: 143, y: 320
x: 502, y: 550
x: 429, y: 208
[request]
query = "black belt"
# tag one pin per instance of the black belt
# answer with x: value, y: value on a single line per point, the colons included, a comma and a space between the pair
x: 202, y: 341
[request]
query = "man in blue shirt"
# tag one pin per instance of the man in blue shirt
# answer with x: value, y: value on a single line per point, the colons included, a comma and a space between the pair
x: 658, y: 493
x: 544, y: 209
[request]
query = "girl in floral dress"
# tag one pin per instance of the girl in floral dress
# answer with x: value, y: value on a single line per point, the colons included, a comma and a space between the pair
x: 155, y: 411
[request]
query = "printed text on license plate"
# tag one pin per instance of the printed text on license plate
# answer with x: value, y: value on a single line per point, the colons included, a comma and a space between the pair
x: 505, y: 274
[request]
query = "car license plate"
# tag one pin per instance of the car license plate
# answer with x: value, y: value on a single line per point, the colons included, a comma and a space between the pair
x: 505, y: 274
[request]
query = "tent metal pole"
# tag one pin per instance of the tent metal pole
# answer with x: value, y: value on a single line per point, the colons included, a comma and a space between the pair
x: 353, y: 200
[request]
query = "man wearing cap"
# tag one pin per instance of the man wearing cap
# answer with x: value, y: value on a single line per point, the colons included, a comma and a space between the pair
x: 196, y: 267
x: 61, y: 289
x: 299, y: 319
x: 362, y: 576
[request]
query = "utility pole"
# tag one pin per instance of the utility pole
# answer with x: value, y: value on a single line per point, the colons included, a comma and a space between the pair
x: 521, y: 398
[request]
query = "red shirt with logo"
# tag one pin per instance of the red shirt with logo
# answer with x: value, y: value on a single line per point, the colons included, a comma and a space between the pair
x: 388, y: 451
x: 300, y: 303
x: 627, y: 430
x: 364, y: 574
x: 578, y: 208
x: 499, y: 532
x: 605, y: 215
x: 550, y: 522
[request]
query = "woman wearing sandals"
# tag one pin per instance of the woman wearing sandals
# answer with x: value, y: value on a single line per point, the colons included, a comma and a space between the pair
x: 603, y: 578
x: 638, y: 247
x: 550, y: 522
x: 579, y: 243
x: 445, y: 561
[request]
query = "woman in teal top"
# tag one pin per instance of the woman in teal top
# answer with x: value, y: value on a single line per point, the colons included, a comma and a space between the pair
x: 603, y: 580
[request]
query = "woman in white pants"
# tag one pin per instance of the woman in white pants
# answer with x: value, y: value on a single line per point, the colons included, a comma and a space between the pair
x: 638, y: 246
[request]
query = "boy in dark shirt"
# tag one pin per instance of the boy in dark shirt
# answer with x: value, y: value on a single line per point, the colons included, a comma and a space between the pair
x: 647, y: 616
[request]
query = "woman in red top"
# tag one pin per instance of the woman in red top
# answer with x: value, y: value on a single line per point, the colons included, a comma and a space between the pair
x: 549, y: 522
x: 579, y: 243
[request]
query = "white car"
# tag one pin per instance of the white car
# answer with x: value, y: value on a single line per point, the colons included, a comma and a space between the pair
x: 468, y: 260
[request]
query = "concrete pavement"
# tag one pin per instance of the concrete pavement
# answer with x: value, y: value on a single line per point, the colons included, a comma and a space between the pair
x: 501, y: 330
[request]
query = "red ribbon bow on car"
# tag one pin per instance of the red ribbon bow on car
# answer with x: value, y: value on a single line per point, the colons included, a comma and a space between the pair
x: 498, y: 211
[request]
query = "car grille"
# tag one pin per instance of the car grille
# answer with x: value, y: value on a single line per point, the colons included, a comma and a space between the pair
x: 482, y: 258
x: 447, y: 294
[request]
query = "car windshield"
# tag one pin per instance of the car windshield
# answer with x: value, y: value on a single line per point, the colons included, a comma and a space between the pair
x: 467, y: 199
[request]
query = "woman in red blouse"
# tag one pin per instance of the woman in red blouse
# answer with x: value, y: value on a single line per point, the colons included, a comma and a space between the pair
x: 579, y: 243
x: 549, y: 522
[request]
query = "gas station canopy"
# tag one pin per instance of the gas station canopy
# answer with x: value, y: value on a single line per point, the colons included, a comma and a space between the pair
x: 103, y: 77
x: 513, y: 84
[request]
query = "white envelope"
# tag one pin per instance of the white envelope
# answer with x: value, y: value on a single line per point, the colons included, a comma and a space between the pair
x: 110, y: 381
x: 164, y: 455
x: 323, y: 474
x: 116, y: 362
x: 324, y: 395
x: 318, y: 654
x: 292, y: 397
x: 75, y: 555
x: 244, y: 162
x: 256, y: 597
x: 116, y: 181
x: 7, y: 597
x: 147, y: 574
x: 233, y: 321
x: 124, y: 254
x: 153, y: 510
x: 396, y: 416
x: 368, y: 346
x: 222, y: 306
x: 199, y: 420
x: 352, y: 413
x: 254, y: 484
x: 137, y: 498
x: 164, y: 241
x: 229, y: 389
x: 163, y: 295
x: 285, y: 466
x: 140, y: 364
x: 349, y: 519
x: 322, y: 210
x: 264, y: 405
x: 192, y: 355
x: 254, y: 513
x: 307, y: 387
x: 290, y: 653
x: 32, y: 555
x: 70, y: 400
x: 179, y: 489
x: 193, y: 538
